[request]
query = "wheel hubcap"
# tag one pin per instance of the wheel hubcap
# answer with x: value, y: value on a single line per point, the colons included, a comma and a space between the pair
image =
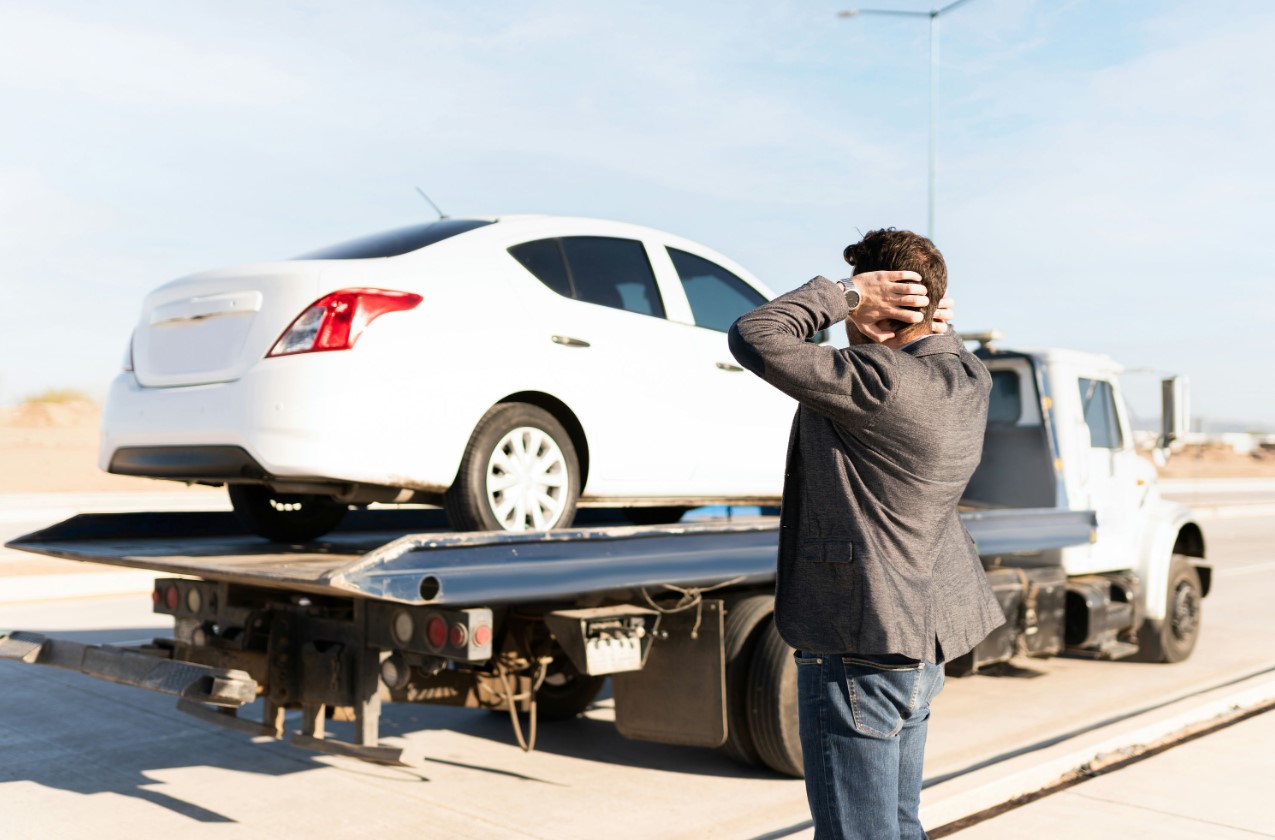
x: 1186, y: 614
x: 527, y: 480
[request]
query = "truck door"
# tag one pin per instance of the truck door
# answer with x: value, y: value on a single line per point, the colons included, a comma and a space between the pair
x: 1109, y: 480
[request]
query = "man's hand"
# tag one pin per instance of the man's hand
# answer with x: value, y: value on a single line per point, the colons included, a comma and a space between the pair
x: 943, y: 315
x: 883, y: 296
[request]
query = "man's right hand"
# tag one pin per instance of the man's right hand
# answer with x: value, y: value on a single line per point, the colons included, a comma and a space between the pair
x: 884, y: 296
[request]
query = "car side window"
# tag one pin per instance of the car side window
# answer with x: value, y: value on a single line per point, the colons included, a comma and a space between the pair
x: 543, y: 258
x: 595, y: 269
x: 1099, y: 404
x: 717, y: 297
x: 612, y: 272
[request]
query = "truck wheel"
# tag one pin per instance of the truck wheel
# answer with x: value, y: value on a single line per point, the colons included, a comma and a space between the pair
x: 285, y: 517
x: 1173, y: 639
x: 772, y: 703
x: 519, y: 472
x: 740, y: 639
x: 566, y: 692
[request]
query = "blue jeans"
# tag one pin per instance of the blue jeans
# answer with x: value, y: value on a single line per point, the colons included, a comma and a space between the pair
x: 863, y: 723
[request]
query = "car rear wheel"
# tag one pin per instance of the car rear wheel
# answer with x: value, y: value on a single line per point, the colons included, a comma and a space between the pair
x: 285, y: 517
x: 520, y: 472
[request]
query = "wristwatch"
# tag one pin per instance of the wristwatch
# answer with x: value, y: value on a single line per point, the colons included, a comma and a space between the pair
x: 853, y: 298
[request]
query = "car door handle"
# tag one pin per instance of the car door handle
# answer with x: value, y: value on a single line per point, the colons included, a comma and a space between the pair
x: 568, y: 341
x: 727, y: 366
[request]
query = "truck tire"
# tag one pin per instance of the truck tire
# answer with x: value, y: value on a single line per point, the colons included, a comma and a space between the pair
x: 743, y: 618
x: 566, y: 693
x: 1173, y: 639
x: 524, y: 445
x: 772, y: 703
x: 285, y: 517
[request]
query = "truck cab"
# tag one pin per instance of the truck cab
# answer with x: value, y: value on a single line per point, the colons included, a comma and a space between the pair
x: 1059, y: 435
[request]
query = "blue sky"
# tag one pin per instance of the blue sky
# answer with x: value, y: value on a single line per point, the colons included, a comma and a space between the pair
x: 1105, y: 174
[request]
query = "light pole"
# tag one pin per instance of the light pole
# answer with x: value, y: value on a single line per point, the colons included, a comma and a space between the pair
x: 933, y: 15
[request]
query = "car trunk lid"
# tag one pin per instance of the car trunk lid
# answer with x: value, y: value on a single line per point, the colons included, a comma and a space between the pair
x: 214, y: 326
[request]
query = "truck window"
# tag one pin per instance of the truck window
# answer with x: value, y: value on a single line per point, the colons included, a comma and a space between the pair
x: 1005, y: 405
x: 1099, y: 405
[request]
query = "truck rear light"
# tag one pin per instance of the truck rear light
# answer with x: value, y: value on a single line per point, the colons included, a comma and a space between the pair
x: 402, y: 627
x: 436, y: 631
x: 482, y: 635
x: 171, y: 598
x: 459, y: 635
x: 336, y: 321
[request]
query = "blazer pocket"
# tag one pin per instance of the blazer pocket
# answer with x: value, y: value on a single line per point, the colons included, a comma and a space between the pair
x: 826, y: 551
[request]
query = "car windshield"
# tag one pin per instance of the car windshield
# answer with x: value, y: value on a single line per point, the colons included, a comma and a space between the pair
x: 394, y: 242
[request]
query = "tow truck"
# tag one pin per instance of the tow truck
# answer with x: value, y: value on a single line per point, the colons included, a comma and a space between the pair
x: 1083, y: 554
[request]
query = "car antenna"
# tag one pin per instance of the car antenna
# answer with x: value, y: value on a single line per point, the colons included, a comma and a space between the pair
x: 441, y: 214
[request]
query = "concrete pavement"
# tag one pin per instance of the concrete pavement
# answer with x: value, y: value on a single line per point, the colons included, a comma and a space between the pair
x: 1217, y: 786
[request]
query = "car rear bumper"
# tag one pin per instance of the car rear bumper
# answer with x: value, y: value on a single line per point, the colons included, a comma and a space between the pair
x: 283, y: 421
x: 187, y: 463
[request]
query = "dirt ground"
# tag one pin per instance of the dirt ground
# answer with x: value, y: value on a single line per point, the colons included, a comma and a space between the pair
x: 49, y: 447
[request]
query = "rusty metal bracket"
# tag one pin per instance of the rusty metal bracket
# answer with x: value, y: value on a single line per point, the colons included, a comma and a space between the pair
x: 150, y: 668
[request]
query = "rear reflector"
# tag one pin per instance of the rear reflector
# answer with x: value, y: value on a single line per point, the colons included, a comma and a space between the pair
x: 336, y: 321
x: 436, y: 631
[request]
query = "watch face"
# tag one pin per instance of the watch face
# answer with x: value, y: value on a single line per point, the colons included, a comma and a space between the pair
x: 852, y: 299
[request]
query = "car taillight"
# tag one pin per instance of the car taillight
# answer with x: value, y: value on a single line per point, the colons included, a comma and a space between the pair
x: 336, y: 321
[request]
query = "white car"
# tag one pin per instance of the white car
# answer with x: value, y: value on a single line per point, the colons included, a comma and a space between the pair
x: 506, y: 368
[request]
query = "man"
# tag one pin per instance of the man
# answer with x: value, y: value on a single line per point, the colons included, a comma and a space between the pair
x: 878, y: 581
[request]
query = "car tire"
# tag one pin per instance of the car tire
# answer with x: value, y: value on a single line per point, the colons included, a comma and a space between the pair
x: 1173, y: 638
x: 285, y: 517
x: 526, y: 445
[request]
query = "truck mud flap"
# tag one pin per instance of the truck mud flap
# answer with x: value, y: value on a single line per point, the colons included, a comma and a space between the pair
x: 194, y: 684
x: 680, y: 696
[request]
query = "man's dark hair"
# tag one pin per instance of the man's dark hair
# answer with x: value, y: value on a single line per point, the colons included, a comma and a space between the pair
x: 902, y: 250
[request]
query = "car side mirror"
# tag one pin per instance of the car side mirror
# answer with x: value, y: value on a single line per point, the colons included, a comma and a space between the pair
x: 1175, y: 411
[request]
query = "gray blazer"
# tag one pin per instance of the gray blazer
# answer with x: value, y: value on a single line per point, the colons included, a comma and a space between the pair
x: 873, y: 558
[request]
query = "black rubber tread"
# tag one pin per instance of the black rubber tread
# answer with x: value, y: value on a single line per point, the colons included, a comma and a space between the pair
x: 743, y: 618
x: 466, y: 500
x: 1160, y: 641
x: 654, y: 515
x: 772, y: 703
x: 567, y: 701
x: 317, y: 515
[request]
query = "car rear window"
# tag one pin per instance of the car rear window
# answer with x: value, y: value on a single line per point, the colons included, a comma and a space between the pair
x: 392, y: 243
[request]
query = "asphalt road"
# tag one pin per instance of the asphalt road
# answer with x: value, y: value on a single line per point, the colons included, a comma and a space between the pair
x: 81, y: 758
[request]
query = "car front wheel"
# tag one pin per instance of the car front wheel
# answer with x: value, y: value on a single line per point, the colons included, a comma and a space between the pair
x: 519, y: 472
